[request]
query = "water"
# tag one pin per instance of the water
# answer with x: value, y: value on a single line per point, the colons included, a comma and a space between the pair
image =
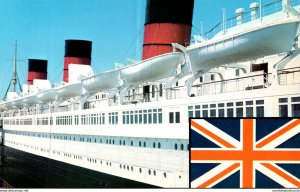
x: 24, y: 170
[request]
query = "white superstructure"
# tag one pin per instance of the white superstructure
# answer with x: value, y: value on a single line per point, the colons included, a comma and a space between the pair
x: 133, y: 122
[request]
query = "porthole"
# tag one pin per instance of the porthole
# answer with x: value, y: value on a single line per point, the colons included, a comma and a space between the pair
x: 120, y: 142
x: 149, y: 171
x: 113, y: 142
x: 131, y: 168
x: 120, y: 166
x: 123, y: 142
x: 109, y: 164
x: 140, y: 143
x: 159, y: 145
x: 154, y: 173
x: 165, y: 174
x: 124, y: 167
x: 144, y: 144
x: 153, y: 144
x: 175, y: 146
x: 181, y: 147
x: 131, y: 143
x: 127, y: 167
x: 140, y: 170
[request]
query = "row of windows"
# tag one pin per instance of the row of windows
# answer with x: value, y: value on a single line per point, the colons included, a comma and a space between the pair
x: 93, y: 160
x: 284, y: 107
x: 181, y: 145
x: 147, y: 116
x: 229, y: 109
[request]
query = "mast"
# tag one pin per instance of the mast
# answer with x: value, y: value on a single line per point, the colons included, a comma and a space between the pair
x: 14, y: 81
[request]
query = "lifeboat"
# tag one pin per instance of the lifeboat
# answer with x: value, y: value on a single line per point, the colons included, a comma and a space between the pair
x: 46, y: 96
x: 257, y: 40
x: 30, y: 100
x: 153, y: 69
x: 102, y: 81
x: 69, y: 90
x: 18, y: 103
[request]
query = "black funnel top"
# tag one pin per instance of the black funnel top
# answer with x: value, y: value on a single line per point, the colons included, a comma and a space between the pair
x: 169, y: 11
x: 37, y: 65
x: 78, y: 48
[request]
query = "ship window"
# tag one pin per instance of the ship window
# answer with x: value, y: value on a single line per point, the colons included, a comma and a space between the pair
x: 249, y: 111
x: 237, y: 72
x: 159, y: 145
x: 212, y: 77
x: 212, y: 113
x: 140, y: 118
x: 144, y: 144
x: 283, y: 110
x: 229, y: 104
x: 201, y: 79
x: 295, y: 110
x: 260, y: 111
x: 249, y: 102
x: 150, y: 118
x: 160, y: 116
x: 153, y: 91
x: 171, y: 117
x: 239, y: 112
x: 155, y: 118
x: 295, y: 99
x: 259, y: 102
x: 124, y: 117
x: 145, y: 117
x: 205, y: 113
x: 221, y: 112
x: 204, y: 106
x: 135, y: 117
x: 230, y: 112
x: 283, y: 100
x: 181, y: 147
x: 175, y: 146
x: 131, y: 117
x: 221, y: 105
x: 153, y: 144
x: 240, y: 103
x: 296, y: 107
x: 160, y: 90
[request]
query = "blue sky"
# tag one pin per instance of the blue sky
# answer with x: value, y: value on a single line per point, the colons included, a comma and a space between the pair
x: 114, y: 26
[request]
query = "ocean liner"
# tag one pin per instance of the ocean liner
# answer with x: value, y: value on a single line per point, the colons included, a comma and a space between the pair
x: 132, y: 122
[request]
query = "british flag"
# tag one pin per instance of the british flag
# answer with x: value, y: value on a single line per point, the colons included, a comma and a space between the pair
x: 245, y: 153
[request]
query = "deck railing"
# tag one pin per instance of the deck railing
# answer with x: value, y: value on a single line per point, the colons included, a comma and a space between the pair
x: 266, y: 10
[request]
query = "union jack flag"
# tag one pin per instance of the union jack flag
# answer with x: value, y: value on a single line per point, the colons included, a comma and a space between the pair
x: 245, y: 153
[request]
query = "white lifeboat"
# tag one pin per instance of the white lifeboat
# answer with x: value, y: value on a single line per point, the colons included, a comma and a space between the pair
x: 18, y: 103
x: 102, y: 81
x: 153, y: 69
x: 30, y: 100
x: 69, y: 90
x: 255, y: 41
x: 46, y: 96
